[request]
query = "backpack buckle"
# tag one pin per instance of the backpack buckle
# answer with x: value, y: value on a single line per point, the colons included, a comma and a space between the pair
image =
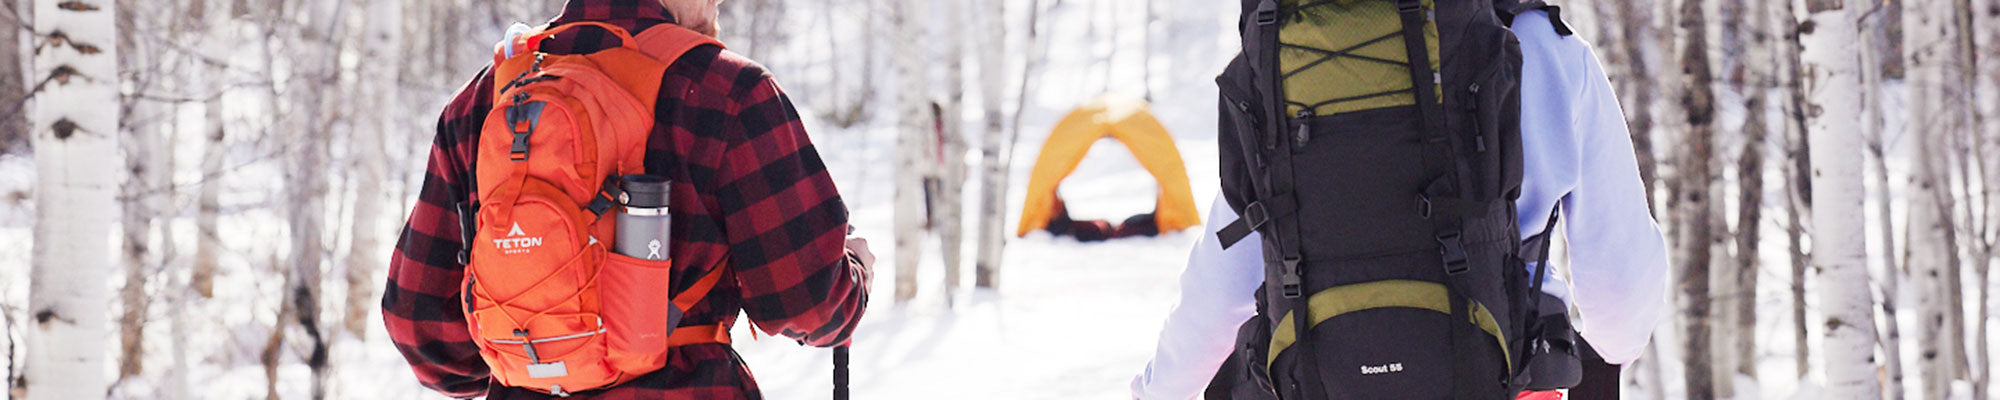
x: 522, y: 119
x: 1407, y: 6
x: 1289, y: 282
x: 1256, y: 215
x: 1452, y: 247
x: 1267, y: 12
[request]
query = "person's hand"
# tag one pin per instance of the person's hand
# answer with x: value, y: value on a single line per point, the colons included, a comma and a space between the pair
x: 859, y: 246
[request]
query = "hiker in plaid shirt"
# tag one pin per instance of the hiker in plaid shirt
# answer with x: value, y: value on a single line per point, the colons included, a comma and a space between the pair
x: 767, y: 211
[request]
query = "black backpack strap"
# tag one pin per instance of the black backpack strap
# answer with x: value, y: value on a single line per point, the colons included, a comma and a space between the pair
x: 1275, y: 197
x: 1508, y: 9
x: 1540, y: 245
x: 1438, y: 161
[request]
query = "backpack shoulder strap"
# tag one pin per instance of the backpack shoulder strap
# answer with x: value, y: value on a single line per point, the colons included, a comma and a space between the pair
x: 1508, y: 9
x: 667, y: 42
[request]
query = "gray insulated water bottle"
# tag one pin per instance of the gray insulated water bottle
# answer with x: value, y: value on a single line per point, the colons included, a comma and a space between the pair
x: 644, y: 227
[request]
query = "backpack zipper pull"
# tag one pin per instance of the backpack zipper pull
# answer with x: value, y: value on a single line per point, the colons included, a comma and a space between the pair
x: 1304, y: 134
x: 1472, y: 105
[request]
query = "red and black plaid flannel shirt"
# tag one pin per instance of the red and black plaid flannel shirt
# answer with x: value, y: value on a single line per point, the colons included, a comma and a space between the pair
x: 768, y: 211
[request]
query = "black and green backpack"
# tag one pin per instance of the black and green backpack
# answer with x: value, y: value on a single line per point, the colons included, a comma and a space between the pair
x: 1384, y: 196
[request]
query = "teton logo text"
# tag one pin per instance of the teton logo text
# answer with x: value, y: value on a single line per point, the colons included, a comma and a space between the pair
x: 517, y: 242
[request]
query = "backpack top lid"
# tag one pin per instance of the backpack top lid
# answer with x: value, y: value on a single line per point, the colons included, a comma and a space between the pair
x: 1341, y: 56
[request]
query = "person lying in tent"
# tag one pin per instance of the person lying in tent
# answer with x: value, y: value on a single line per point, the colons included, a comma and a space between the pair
x: 502, y: 284
x: 1375, y: 249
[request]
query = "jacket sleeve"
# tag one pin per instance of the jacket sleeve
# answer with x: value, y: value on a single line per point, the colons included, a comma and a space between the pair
x: 785, y: 223
x: 1218, y: 291
x: 1618, y: 254
x: 421, y: 305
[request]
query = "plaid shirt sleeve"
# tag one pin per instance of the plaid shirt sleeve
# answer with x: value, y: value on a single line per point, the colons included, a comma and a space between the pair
x: 421, y: 306
x: 784, y: 221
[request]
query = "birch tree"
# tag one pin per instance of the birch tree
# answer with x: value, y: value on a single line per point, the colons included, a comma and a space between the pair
x: 948, y: 201
x: 1935, y: 115
x: 1637, y: 33
x: 913, y: 146
x: 308, y: 124
x: 1989, y: 95
x: 77, y: 68
x: 1695, y: 210
x: 380, y: 39
x: 1832, y: 80
x: 13, y: 85
x: 143, y: 150
x: 208, y: 201
x: 1874, y: 63
x: 993, y: 148
x: 1754, y: 68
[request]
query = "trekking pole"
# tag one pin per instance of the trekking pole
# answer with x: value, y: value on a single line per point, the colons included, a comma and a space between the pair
x: 840, y: 373
x: 840, y: 360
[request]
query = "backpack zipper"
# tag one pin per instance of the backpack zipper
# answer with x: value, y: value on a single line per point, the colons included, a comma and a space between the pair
x: 1472, y: 104
x: 1304, y: 134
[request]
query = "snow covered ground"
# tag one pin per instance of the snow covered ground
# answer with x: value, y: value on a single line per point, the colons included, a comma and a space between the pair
x: 1070, y: 321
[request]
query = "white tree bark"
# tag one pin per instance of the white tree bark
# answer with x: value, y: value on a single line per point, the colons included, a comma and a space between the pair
x: 993, y: 146
x: 208, y: 203
x: 75, y: 193
x: 13, y: 82
x: 381, y: 39
x: 313, y: 90
x: 142, y: 149
x: 948, y: 202
x: 1891, y: 332
x: 1833, y: 81
x: 914, y: 147
x: 1935, y: 114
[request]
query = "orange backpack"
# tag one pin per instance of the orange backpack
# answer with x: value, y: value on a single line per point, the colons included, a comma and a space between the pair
x: 551, y: 308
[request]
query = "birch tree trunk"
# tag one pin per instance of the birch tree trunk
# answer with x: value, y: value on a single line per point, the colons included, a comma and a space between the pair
x: 1791, y: 53
x: 1965, y: 85
x: 1750, y: 179
x: 208, y: 203
x: 74, y: 199
x: 313, y: 89
x: 948, y: 221
x: 1934, y: 115
x: 1989, y: 95
x: 144, y: 149
x: 913, y: 147
x: 1637, y: 33
x: 1697, y: 213
x: 13, y: 81
x: 992, y: 148
x: 1839, y: 240
x: 1891, y: 333
x: 380, y: 40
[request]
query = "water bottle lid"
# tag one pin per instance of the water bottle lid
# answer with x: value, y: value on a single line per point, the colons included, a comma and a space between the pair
x: 645, y: 191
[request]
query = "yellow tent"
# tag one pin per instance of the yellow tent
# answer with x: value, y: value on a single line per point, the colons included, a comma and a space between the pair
x: 1128, y: 121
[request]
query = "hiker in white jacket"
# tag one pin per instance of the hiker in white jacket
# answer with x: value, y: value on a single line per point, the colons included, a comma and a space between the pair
x: 1576, y: 150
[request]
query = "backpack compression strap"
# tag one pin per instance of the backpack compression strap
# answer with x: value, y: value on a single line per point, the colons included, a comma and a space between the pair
x: 699, y: 334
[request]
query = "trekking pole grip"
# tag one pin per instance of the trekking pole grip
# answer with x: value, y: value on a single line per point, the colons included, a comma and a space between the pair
x: 840, y: 373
